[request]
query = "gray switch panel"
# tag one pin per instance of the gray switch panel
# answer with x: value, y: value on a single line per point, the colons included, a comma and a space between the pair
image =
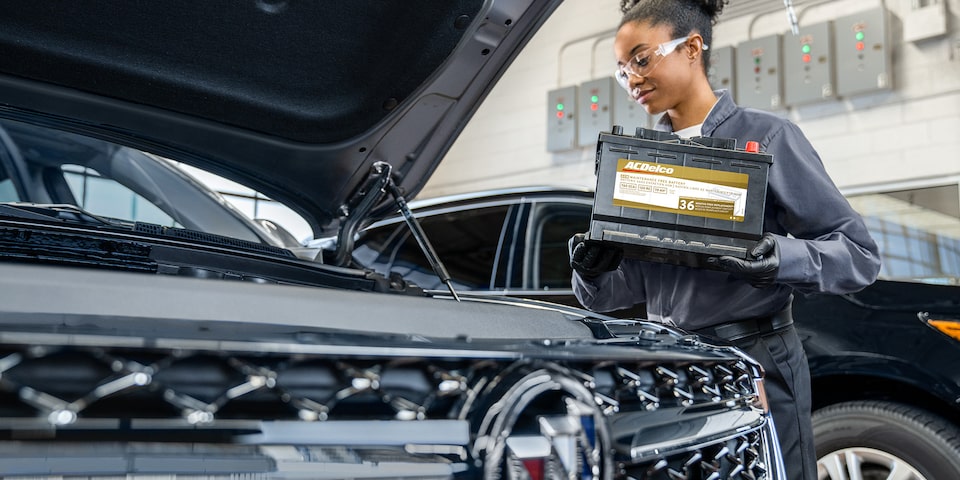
x: 720, y: 70
x: 759, y: 73
x: 594, y: 100
x: 628, y: 113
x: 562, y: 119
x: 863, y: 52
x: 808, y: 67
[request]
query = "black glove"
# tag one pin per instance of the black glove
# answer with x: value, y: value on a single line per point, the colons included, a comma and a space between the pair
x: 593, y: 257
x: 760, y: 272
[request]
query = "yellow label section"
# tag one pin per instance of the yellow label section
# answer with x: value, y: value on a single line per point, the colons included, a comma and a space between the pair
x: 681, y: 190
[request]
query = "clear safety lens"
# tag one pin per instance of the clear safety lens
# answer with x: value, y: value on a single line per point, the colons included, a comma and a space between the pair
x: 643, y: 63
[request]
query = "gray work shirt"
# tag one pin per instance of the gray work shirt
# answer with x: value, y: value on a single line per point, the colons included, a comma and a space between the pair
x: 828, y: 248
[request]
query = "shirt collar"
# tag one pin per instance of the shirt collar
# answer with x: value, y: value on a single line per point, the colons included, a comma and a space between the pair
x: 720, y: 111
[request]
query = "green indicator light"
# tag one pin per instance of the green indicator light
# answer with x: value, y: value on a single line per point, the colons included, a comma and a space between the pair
x: 559, y: 106
x: 859, y: 35
x: 594, y: 99
x: 806, y: 48
x: 756, y: 60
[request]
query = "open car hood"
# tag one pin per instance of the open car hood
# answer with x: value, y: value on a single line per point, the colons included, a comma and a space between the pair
x: 296, y: 100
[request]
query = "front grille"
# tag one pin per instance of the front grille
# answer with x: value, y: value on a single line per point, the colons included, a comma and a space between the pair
x: 736, y: 458
x: 130, y: 391
x: 650, y: 386
x: 677, y: 388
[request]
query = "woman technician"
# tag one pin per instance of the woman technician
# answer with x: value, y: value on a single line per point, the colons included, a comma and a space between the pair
x: 814, y: 240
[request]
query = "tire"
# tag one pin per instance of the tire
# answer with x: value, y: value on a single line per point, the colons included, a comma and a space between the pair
x: 874, y: 440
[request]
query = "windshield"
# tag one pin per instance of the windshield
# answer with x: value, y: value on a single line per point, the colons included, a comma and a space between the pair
x: 918, y: 232
x: 46, y: 166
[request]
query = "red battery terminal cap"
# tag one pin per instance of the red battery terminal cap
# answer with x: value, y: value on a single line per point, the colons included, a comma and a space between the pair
x: 752, y: 147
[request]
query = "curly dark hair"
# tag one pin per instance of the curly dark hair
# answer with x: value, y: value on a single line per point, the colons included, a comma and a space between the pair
x: 685, y: 16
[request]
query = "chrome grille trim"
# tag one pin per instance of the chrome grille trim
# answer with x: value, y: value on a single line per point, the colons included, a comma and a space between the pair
x: 738, y: 457
x: 718, y: 428
x: 422, y: 408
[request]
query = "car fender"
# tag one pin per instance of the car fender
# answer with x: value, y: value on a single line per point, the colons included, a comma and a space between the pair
x: 865, y: 376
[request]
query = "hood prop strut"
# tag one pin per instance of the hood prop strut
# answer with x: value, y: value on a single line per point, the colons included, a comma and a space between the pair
x: 381, y: 182
x: 416, y: 229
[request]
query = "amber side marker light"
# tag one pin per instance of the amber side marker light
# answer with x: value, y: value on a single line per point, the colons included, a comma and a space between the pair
x: 950, y: 328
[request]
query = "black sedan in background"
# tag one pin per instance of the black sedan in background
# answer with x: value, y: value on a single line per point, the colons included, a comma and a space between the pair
x: 886, y: 385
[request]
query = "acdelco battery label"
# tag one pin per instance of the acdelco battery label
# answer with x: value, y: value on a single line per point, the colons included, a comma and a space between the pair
x: 682, y: 190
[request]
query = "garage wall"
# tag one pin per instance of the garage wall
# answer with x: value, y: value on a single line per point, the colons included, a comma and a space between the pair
x: 870, y: 142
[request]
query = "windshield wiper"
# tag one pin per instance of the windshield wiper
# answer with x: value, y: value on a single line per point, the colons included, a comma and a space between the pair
x: 61, y: 212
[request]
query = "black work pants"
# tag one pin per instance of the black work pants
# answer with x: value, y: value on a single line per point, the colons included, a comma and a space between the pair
x: 787, y: 384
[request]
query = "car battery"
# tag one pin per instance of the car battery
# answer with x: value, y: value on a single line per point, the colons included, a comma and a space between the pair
x: 678, y: 201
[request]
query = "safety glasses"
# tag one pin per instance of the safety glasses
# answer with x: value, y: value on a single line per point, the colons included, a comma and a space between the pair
x: 643, y: 63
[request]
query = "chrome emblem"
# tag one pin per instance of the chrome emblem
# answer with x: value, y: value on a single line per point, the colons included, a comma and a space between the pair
x: 546, y: 426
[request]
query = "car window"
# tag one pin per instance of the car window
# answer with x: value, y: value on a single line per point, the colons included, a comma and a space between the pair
x: 104, y: 196
x: 377, y: 247
x: 917, y: 231
x: 552, y: 225
x: 466, y: 241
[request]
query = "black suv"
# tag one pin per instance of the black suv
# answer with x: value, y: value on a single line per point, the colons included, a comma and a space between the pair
x: 131, y: 348
x: 886, y: 386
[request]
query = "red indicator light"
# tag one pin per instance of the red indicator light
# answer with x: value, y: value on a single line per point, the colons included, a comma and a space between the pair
x: 859, y: 45
x: 752, y: 147
x: 806, y: 58
x: 559, y: 114
x: 594, y: 107
x: 756, y: 70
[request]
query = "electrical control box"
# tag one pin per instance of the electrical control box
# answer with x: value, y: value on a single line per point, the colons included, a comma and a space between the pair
x: 720, y: 69
x: 669, y: 200
x: 561, y: 119
x: 925, y: 20
x: 863, y: 52
x: 627, y: 113
x: 594, y: 102
x: 808, y: 66
x: 759, y: 74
